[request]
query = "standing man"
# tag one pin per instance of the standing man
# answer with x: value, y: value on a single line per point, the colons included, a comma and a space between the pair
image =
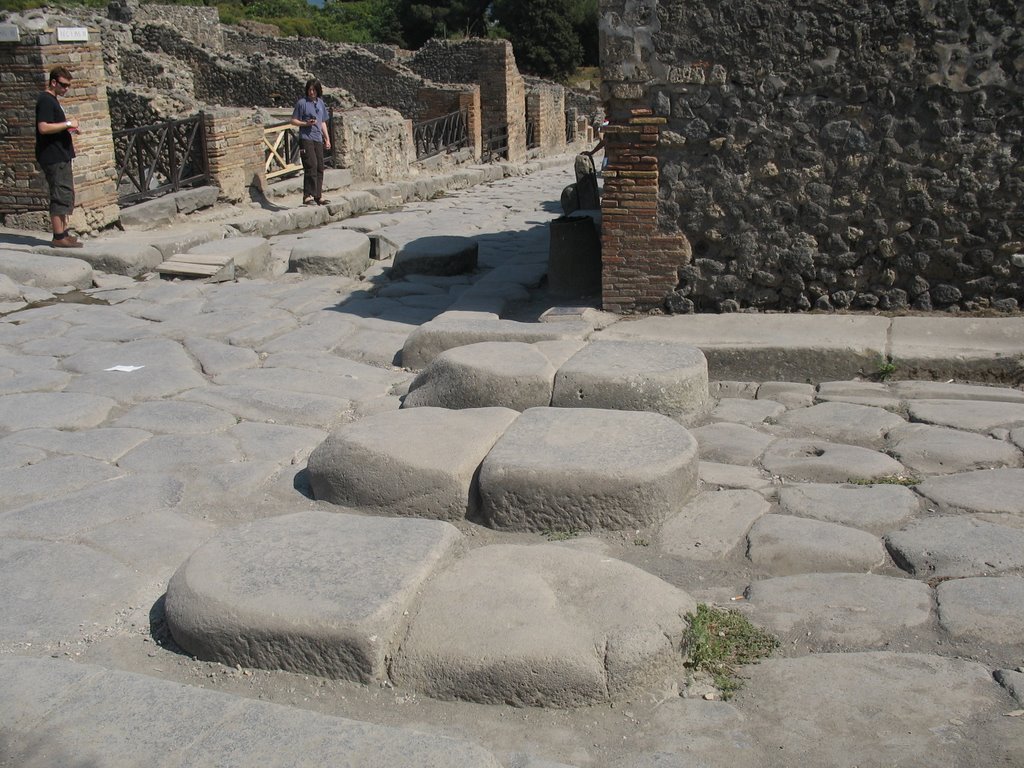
x: 310, y: 114
x: 54, y: 152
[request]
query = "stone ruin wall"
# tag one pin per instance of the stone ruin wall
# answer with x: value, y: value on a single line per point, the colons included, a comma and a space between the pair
x: 835, y: 155
x: 545, y: 104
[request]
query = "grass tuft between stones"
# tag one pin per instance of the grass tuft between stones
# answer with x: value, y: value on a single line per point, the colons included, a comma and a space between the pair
x: 720, y: 641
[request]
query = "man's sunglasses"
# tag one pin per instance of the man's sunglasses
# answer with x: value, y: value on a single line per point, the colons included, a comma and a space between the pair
x: 62, y: 84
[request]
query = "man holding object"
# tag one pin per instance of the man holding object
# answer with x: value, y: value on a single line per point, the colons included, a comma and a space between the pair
x: 54, y: 152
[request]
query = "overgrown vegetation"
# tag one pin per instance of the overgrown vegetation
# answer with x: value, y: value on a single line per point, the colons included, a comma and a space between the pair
x: 886, y: 368
x: 722, y: 640
x: 886, y: 480
x: 551, y: 38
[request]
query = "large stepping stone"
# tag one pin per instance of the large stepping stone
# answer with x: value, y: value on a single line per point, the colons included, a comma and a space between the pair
x: 820, y: 461
x: 956, y: 547
x: 508, y: 374
x: 436, y: 255
x: 419, y: 462
x: 582, y: 469
x: 315, y: 592
x: 985, y: 490
x: 969, y: 415
x: 250, y: 254
x: 989, y: 610
x: 60, y: 713
x: 331, y: 252
x: 541, y: 626
x: 45, y: 271
x: 940, y: 450
x: 731, y: 443
x: 783, y: 545
x: 431, y: 339
x: 879, y: 708
x: 873, y: 508
x: 856, y: 611
x: 842, y: 423
x: 663, y: 377
x: 713, y: 524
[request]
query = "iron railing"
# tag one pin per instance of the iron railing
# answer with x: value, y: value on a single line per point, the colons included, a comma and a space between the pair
x: 441, y: 134
x: 495, y: 144
x: 532, y: 133
x: 156, y: 159
x: 570, y: 126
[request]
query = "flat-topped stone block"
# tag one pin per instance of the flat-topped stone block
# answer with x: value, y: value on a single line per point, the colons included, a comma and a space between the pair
x: 331, y: 252
x: 431, y: 339
x: 587, y: 469
x: 440, y: 255
x: 542, y: 626
x: 45, y: 271
x: 509, y: 374
x: 663, y: 377
x: 314, y: 592
x: 418, y: 462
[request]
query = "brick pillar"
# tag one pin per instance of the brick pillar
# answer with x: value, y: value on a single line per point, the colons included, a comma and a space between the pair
x: 470, y: 101
x: 26, y: 65
x: 234, y: 145
x: 639, y: 264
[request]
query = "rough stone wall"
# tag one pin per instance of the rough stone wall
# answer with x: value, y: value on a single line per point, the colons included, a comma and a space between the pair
x: 375, y: 144
x: 24, y: 201
x: 545, y: 103
x: 197, y: 23
x: 829, y: 155
x: 491, y: 64
x: 234, y: 145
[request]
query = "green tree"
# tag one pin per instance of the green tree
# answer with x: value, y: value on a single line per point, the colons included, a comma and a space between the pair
x: 542, y: 33
x: 423, y: 19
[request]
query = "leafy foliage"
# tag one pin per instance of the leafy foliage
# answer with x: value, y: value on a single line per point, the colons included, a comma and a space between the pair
x: 542, y: 34
x: 720, y: 641
x: 423, y: 19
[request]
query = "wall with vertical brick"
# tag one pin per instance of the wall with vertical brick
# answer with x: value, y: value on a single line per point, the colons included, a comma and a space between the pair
x: 26, y: 65
x: 545, y: 104
x: 234, y: 144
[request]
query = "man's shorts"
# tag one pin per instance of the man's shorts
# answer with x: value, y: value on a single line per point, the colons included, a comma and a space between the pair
x: 61, y: 182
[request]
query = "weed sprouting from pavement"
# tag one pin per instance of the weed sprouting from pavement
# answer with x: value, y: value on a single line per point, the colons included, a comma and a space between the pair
x: 720, y: 641
x: 885, y: 480
x: 886, y: 368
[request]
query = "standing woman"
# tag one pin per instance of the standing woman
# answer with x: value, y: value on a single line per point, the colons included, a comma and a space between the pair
x: 310, y: 114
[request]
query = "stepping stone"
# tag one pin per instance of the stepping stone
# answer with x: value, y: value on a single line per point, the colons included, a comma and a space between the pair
x: 854, y: 611
x: 940, y: 450
x: 712, y: 525
x: 956, y: 547
x: 419, y: 462
x: 45, y: 271
x: 436, y: 255
x: 663, y: 377
x: 583, y: 469
x: 895, y: 709
x: 784, y: 545
x: 825, y: 462
x: 969, y: 415
x: 315, y: 592
x: 431, y: 339
x: 543, y: 626
x: 176, y: 418
x: 842, y: 423
x: 331, y: 252
x: 985, y: 490
x: 251, y: 255
x: 731, y: 443
x: 61, y: 713
x: 872, y: 508
x: 743, y: 411
x: 508, y: 374
x: 988, y: 610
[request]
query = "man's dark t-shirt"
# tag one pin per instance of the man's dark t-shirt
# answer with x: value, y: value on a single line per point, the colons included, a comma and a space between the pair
x: 53, y: 147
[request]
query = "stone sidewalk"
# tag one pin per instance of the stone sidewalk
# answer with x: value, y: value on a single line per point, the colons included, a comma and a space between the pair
x: 159, y: 495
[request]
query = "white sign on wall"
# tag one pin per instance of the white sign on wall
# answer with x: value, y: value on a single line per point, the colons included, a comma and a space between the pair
x: 9, y: 33
x: 72, y: 35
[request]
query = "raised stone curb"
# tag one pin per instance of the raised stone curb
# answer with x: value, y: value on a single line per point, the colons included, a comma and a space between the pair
x: 45, y: 271
x: 417, y: 462
x: 310, y: 592
x: 550, y: 626
x: 251, y: 254
x: 666, y: 378
x: 587, y: 469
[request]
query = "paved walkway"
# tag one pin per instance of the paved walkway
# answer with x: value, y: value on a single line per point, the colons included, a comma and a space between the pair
x: 154, y: 450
